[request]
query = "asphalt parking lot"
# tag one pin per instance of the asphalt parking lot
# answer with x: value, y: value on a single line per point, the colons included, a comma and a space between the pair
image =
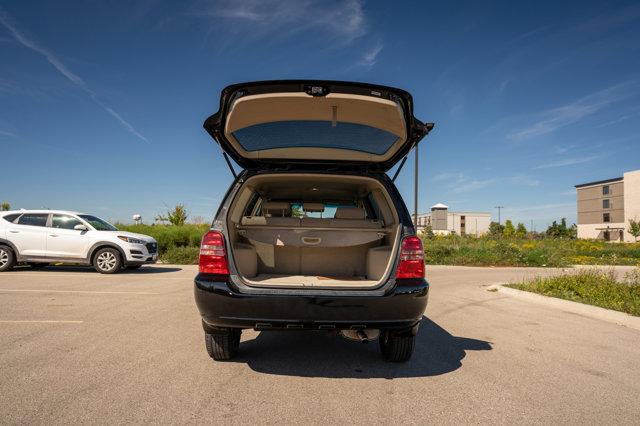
x: 82, y: 347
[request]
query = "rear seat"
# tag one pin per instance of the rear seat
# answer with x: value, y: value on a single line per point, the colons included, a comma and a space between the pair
x: 276, y: 215
x: 317, y: 222
x: 353, y: 217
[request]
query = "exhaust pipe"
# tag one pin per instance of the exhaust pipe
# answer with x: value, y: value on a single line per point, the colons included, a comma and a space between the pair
x: 363, y: 336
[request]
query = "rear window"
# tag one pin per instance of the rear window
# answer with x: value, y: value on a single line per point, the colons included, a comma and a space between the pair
x: 328, y: 213
x: 11, y: 217
x: 33, y: 219
x: 315, y: 134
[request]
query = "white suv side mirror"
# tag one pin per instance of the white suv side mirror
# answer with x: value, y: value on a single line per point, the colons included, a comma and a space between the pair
x: 80, y: 227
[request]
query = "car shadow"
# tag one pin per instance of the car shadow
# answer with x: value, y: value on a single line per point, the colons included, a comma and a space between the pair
x: 315, y: 354
x: 88, y: 269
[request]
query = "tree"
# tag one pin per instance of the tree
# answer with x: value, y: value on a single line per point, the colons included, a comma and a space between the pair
x: 176, y: 217
x: 521, y: 231
x: 296, y: 211
x: 5, y: 206
x: 634, y: 228
x: 428, y: 232
x: 560, y: 230
x: 509, y: 231
x: 495, y: 229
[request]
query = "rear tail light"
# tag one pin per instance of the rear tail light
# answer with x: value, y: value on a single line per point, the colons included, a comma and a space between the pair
x: 411, y: 259
x: 213, y: 255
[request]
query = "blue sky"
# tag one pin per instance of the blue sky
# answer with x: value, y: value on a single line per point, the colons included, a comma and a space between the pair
x: 102, y: 103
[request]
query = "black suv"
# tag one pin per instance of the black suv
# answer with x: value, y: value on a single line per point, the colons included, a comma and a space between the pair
x: 313, y: 234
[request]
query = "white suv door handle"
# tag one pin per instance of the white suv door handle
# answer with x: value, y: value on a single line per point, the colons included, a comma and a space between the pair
x: 14, y: 231
x: 53, y: 235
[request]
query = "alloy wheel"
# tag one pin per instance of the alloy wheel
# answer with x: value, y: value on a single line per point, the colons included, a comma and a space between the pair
x: 4, y: 257
x: 107, y: 261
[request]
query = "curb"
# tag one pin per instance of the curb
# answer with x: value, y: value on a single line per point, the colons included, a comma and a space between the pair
x: 616, y: 317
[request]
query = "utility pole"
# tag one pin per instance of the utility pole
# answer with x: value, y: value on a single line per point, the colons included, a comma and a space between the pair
x: 531, y: 229
x: 499, y: 209
x: 415, y: 192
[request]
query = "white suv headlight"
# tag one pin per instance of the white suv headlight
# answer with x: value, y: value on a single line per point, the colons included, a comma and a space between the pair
x: 131, y: 240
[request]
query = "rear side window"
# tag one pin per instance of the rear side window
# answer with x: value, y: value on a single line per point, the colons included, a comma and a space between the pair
x: 373, y: 211
x: 33, y: 219
x: 63, y: 221
x: 11, y: 217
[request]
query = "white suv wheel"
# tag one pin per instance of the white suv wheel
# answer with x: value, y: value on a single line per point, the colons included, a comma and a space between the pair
x: 107, y: 261
x: 4, y: 257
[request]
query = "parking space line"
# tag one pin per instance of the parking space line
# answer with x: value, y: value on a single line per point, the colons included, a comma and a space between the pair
x: 24, y: 290
x: 40, y: 322
x: 89, y: 275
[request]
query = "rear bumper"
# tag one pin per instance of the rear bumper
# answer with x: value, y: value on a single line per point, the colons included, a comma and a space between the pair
x: 222, y: 305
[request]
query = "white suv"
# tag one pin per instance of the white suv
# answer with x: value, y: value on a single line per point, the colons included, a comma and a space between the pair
x: 40, y: 237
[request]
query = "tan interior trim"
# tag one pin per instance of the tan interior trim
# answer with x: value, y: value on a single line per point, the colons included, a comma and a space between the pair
x: 369, y: 185
x: 271, y: 107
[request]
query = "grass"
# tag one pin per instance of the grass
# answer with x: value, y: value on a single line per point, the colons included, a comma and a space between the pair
x: 176, y: 244
x: 598, y: 288
x: 487, y: 251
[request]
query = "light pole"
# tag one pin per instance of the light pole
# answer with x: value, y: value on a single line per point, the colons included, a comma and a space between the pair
x: 499, y: 209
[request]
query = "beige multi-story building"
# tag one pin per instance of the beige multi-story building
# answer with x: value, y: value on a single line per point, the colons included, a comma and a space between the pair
x: 605, y: 207
x: 444, y: 222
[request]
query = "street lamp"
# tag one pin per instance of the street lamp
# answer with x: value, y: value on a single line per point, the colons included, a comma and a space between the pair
x: 499, y: 209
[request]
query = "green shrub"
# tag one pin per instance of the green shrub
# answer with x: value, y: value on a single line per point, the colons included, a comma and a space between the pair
x: 181, y: 255
x: 176, y: 244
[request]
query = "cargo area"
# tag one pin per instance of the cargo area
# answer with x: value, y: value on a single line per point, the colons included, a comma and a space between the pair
x: 307, y: 230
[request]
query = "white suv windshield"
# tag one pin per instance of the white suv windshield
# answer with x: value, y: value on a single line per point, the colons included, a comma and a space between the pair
x: 97, y: 223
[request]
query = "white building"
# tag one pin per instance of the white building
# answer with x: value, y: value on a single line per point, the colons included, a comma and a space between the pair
x: 444, y: 222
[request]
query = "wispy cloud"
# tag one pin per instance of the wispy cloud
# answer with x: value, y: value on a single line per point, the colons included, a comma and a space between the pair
x: 344, y: 20
x: 66, y: 72
x: 472, y: 185
x: 7, y: 135
x: 555, y: 118
x: 459, y: 183
x: 370, y: 56
x: 568, y: 162
x: 564, y: 148
x: 448, y: 176
x: 620, y: 119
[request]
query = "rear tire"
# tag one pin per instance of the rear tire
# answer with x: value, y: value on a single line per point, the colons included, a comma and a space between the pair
x: 107, y: 261
x: 224, y: 346
x: 396, y: 348
x: 7, y: 259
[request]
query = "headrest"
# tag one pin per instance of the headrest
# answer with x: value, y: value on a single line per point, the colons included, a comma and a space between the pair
x: 313, y: 207
x: 281, y: 207
x: 349, y: 213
